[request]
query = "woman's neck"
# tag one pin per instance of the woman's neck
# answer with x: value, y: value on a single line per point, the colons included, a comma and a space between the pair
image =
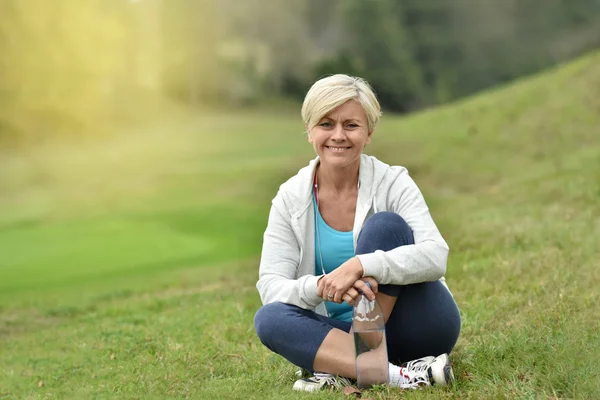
x: 338, y: 179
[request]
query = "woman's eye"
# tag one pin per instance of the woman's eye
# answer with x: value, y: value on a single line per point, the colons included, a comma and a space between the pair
x: 352, y: 126
x: 325, y: 124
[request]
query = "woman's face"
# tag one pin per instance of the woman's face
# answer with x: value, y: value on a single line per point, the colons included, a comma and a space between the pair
x: 340, y: 136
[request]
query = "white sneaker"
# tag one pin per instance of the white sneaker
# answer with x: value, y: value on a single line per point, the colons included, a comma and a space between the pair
x: 426, y: 371
x: 321, y: 381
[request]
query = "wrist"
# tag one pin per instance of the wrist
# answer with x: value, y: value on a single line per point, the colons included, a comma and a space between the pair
x: 359, y: 268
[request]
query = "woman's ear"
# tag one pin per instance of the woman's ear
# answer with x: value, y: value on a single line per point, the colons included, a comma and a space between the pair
x: 308, y: 133
x: 369, y: 137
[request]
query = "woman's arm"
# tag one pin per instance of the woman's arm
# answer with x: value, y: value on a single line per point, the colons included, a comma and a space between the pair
x: 421, y: 262
x: 279, y: 263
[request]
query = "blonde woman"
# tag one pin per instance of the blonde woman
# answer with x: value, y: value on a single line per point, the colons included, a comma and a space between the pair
x: 344, y: 220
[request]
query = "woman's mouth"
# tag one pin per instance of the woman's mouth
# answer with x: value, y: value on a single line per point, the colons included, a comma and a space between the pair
x: 338, y: 149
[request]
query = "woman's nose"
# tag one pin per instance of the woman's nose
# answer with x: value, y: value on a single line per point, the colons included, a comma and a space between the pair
x: 339, y: 133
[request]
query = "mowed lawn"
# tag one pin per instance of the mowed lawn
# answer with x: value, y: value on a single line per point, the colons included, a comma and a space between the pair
x: 127, y: 265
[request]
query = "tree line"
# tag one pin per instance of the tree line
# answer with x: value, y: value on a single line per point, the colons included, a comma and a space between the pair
x: 416, y: 53
x: 69, y: 62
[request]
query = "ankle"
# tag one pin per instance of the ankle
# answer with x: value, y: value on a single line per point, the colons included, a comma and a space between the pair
x: 395, y: 375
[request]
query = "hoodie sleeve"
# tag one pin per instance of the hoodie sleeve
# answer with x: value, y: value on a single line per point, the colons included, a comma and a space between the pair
x: 279, y: 263
x: 423, y: 261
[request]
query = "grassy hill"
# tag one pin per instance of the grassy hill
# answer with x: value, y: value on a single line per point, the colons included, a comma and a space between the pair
x: 127, y: 266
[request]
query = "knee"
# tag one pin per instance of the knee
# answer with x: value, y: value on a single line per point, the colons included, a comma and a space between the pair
x: 384, y: 231
x: 267, y: 320
x: 387, y: 221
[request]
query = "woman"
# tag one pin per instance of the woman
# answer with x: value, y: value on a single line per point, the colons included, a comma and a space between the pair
x: 344, y: 220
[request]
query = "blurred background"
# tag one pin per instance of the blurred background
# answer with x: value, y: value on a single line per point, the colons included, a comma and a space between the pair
x: 141, y: 142
x: 131, y: 129
x: 69, y: 65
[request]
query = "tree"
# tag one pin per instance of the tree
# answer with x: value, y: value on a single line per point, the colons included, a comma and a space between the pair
x: 378, y: 49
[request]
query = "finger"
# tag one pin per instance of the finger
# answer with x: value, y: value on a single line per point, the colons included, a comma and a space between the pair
x: 348, y: 299
x: 326, y: 294
x: 353, y: 295
x: 352, y: 292
x: 327, y: 290
x: 324, y: 285
x: 338, y: 297
x: 373, y: 283
x: 362, y: 286
x: 320, y: 286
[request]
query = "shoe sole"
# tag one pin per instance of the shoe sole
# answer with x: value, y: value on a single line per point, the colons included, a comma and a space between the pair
x: 445, y: 375
x: 304, y: 386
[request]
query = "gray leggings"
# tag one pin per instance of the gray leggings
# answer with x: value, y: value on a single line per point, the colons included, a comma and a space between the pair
x: 424, y: 322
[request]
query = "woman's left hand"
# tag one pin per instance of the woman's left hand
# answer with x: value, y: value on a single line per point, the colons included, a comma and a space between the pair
x: 335, y: 284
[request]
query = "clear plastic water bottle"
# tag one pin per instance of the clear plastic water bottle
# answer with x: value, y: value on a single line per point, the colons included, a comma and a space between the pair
x: 370, y: 344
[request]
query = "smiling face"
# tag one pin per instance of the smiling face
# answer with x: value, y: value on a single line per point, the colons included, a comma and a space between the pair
x: 340, y: 136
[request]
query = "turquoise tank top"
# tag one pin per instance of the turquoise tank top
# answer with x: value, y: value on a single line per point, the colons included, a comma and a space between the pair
x: 335, y: 248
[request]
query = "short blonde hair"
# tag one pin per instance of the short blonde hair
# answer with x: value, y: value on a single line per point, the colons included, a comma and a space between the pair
x: 328, y: 93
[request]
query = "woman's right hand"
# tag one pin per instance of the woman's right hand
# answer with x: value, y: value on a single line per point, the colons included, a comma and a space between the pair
x: 352, y: 294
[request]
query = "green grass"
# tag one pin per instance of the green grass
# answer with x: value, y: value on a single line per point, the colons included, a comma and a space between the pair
x: 127, y: 266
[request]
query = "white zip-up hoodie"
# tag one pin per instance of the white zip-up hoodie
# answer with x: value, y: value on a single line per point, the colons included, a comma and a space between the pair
x: 287, y: 265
